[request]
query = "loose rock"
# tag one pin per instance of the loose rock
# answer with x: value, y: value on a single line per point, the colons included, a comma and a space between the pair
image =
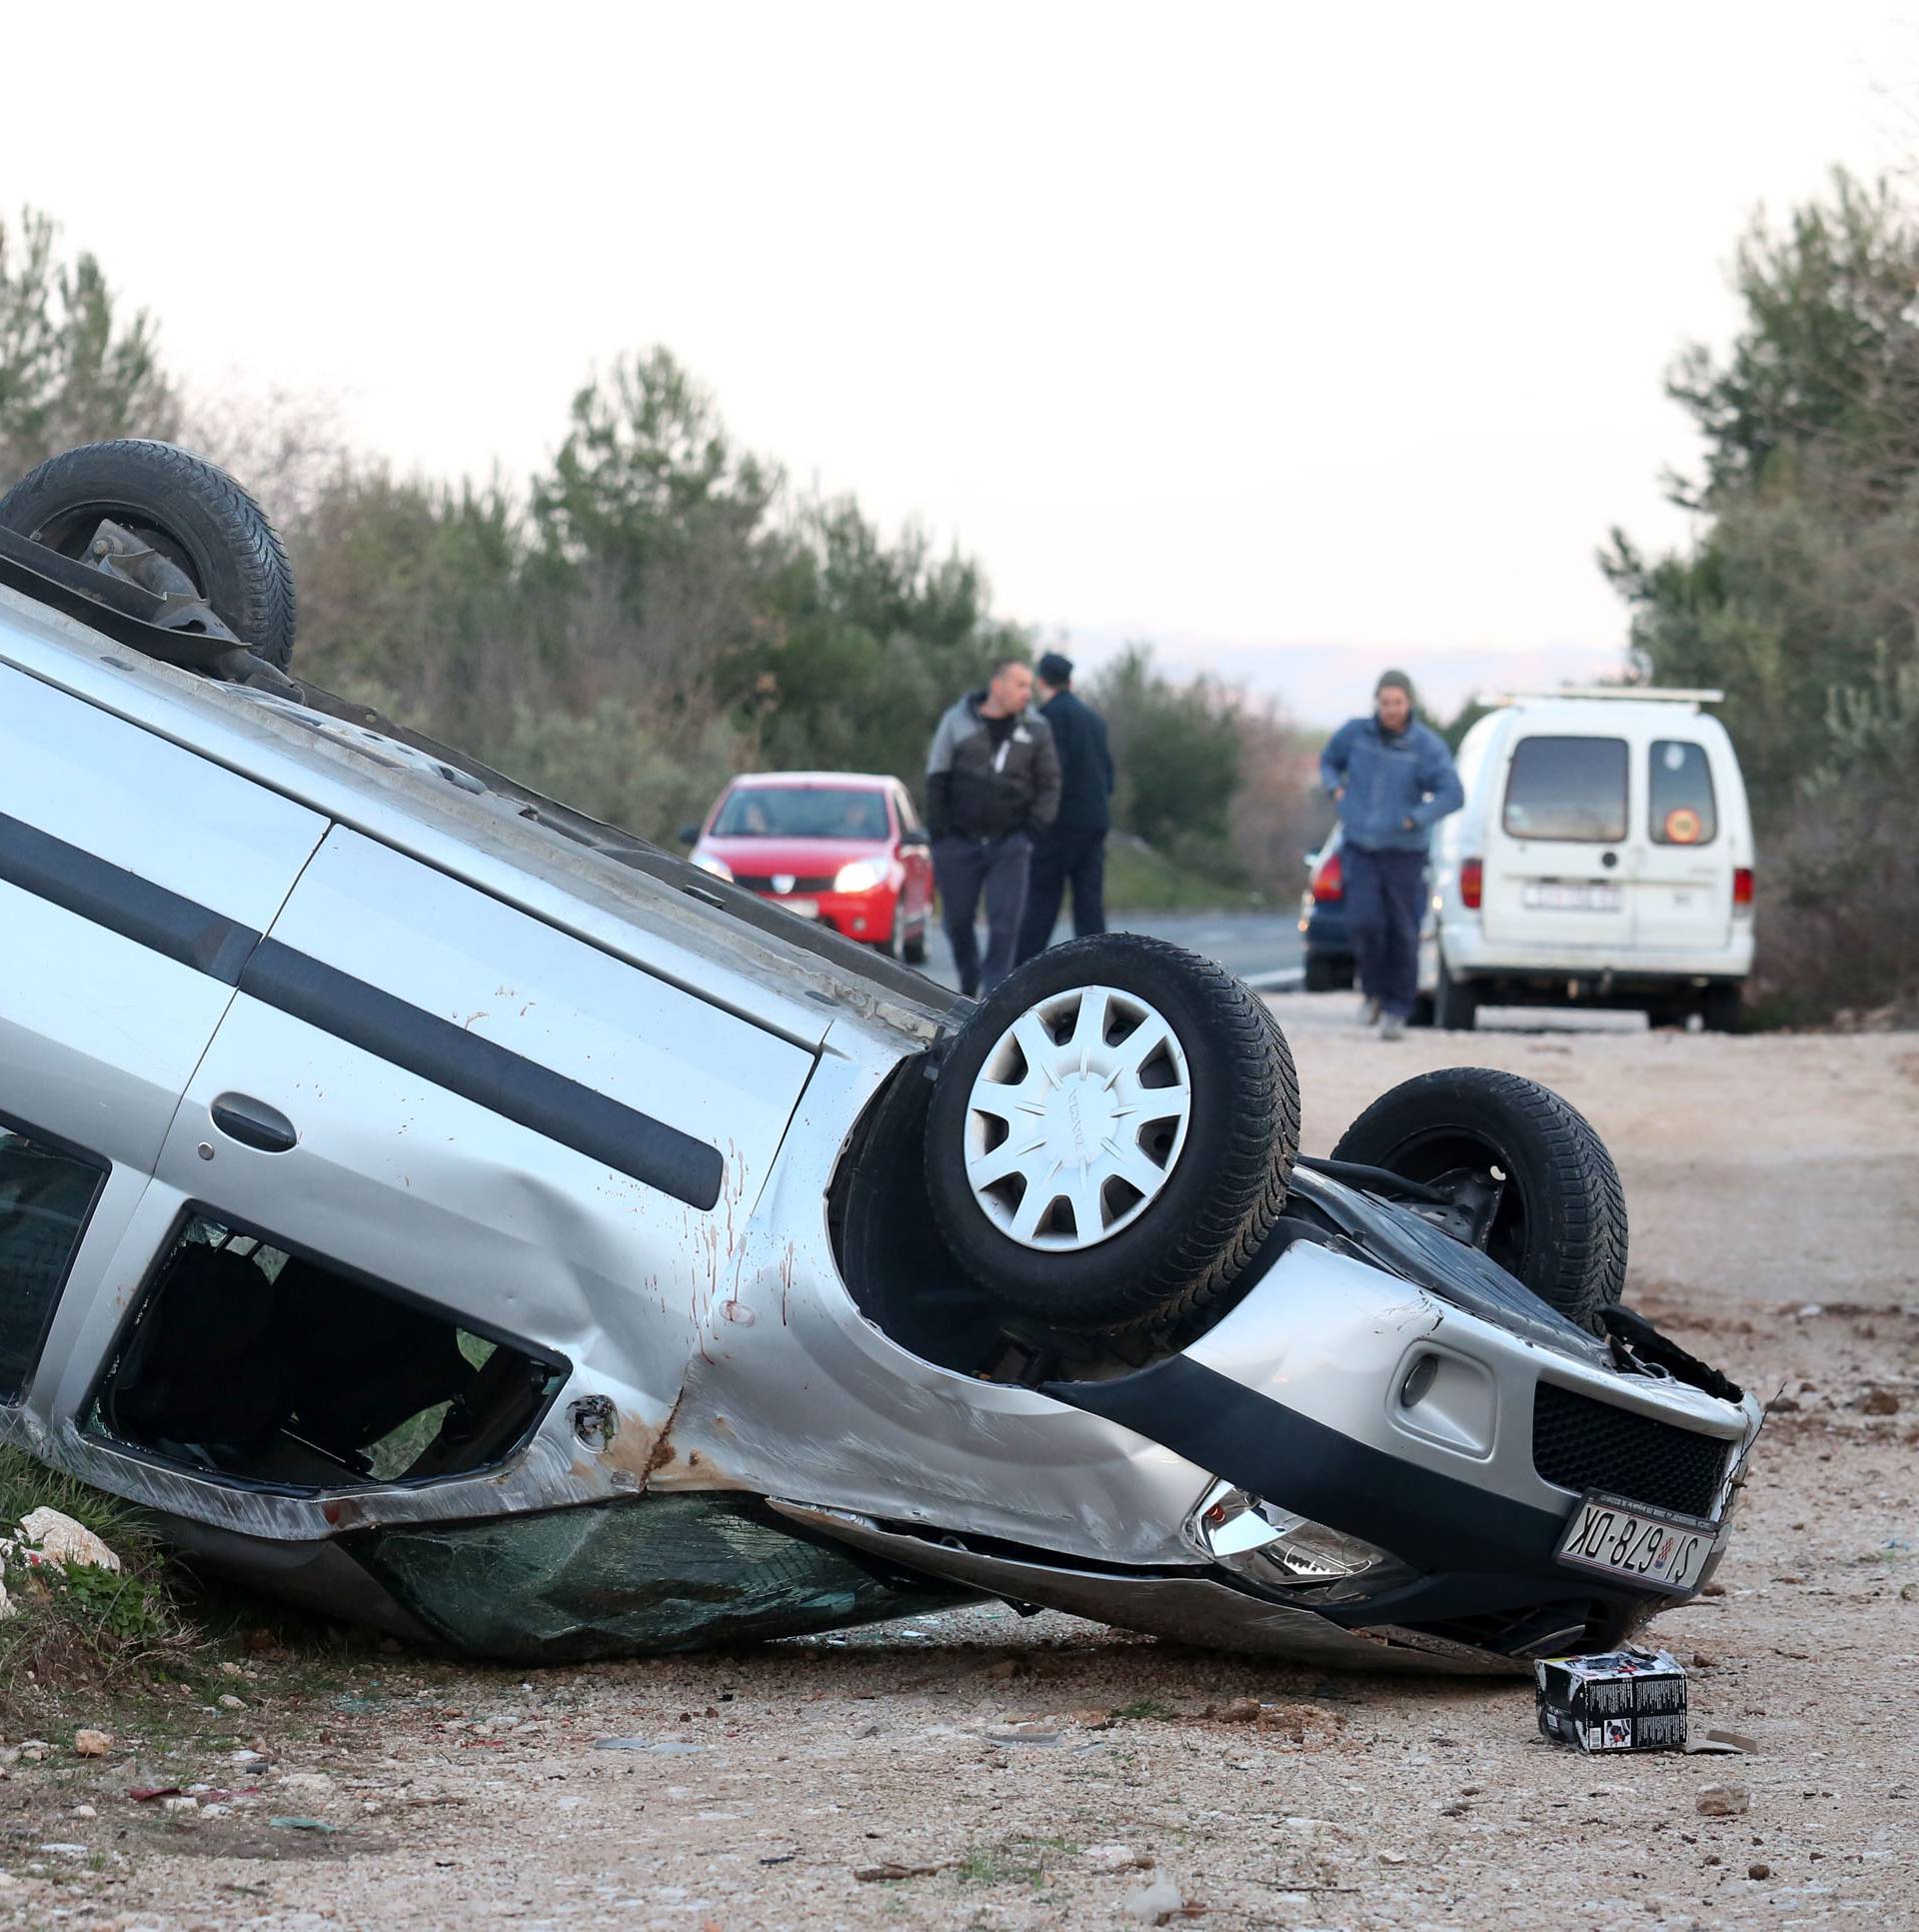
x: 1117, y: 1858
x: 60, y: 1541
x: 1153, y: 1905
x: 92, y: 1743
x: 1724, y: 1801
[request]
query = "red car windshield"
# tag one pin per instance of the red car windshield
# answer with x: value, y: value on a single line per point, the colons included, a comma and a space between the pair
x: 802, y: 811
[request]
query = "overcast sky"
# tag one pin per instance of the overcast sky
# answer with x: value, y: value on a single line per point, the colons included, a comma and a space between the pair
x: 1299, y: 342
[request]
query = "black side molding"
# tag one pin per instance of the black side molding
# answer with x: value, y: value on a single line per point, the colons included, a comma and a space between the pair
x: 106, y: 895
x: 486, y: 1073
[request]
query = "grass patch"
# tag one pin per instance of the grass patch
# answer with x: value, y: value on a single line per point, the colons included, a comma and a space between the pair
x: 1141, y: 878
x: 1012, y: 1861
x: 82, y: 1625
x: 1141, y: 1709
x: 149, y: 1637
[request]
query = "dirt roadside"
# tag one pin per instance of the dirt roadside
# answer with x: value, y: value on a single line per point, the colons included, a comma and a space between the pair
x: 1043, y: 1772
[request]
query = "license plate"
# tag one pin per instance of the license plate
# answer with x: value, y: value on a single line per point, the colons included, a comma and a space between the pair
x: 1571, y: 899
x: 1648, y: 1547
x: 806, y: 908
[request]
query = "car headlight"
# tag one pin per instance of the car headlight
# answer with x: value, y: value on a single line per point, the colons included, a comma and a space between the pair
x: 1264, y: 1543
x: 859, y: 875
x: 716, y: 867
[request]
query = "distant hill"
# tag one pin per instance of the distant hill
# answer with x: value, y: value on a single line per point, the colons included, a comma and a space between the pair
x: 1321, y: 683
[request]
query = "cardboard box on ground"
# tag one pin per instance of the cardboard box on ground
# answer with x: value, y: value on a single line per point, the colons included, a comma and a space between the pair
x: 1623, y: 1700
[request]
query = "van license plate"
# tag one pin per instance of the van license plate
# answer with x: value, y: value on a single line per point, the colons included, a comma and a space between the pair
x: 1648, y: 1547
x: 1571, y: 899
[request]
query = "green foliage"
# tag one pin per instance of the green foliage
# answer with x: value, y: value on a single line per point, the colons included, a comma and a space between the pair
x: 1142, y: 879
x: 83, y: 1623
x: 69, y: 370
x: 650, y: 615
x: 1177, y: 750
x: 1801, y: 597
x: 1463, y: 721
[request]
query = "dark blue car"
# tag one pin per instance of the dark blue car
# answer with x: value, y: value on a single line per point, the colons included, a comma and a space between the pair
x: 1323, y: 919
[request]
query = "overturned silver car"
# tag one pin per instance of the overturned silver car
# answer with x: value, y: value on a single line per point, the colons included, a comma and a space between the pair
x: 452, y: 1211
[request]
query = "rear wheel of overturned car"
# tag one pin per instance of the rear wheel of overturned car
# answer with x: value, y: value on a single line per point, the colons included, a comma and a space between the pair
x: 1111, y: 1133
x: 173, y: 502
x: 1560, y: 1220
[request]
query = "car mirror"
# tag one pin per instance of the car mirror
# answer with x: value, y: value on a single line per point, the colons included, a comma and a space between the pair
x: 688, y: 833
x: 915, y: 835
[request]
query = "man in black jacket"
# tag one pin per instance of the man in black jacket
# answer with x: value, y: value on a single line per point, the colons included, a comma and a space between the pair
x: 992, y: 782
x: 1073, y: 852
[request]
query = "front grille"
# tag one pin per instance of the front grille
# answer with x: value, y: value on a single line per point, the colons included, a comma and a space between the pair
x: 763, y: 882
x: 1581, y: 1445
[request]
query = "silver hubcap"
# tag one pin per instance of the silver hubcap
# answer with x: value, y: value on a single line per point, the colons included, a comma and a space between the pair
x: 1078, y: 1119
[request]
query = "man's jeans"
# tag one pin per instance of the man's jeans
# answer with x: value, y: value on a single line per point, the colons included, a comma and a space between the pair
x: 1385, y: 896
x: 1072, y: 856
x: 965, y: 870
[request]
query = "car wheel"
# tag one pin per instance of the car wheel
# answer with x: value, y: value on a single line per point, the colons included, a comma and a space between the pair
x: 1559, y: 1224
x: 1722, y: 1009
x: 915, y: 950
x: 195, y: 515
x: 1455, y: 1006
x: 1322, y: 974
x: 1111, y: 1133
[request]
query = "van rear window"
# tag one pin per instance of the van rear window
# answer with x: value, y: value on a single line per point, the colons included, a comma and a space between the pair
x: 1680, y: 809
x: 1568, y: 788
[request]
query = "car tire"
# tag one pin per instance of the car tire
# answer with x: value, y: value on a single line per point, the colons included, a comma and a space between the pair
x: 1456, y: 1004
x: 915, y: 950
x: 1198, y: 1175
x: 1560, y: 1226
x: 185, y: 508
x: 1324, y: 975
x: 1722, y: 1007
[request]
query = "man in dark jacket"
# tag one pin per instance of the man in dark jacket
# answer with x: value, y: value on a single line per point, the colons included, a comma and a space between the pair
x: 1073, y: 852
x: 1392, y: 781
x: 992, y: 783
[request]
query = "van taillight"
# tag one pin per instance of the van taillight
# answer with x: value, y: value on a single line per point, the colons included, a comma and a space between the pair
x: 1472, y: 882
x: 1328, y: 881
x: 1742, y: 889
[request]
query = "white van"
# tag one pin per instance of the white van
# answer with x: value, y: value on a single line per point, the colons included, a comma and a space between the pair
x: 1603, y: 858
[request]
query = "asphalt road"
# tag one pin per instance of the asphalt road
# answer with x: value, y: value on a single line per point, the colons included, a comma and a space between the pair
x: 1263, y: 948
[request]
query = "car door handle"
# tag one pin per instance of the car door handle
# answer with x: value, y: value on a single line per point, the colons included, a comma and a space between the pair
x: 253, y: 1124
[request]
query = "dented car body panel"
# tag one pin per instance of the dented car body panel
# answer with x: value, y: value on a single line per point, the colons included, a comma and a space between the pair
x: 466, y: 1248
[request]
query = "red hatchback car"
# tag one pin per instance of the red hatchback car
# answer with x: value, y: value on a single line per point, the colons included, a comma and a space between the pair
x: 844, y: 847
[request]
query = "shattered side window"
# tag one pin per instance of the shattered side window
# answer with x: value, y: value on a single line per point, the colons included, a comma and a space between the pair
x: 658, y: 1573
x: 47, y: 1193
x: 251, y: 1360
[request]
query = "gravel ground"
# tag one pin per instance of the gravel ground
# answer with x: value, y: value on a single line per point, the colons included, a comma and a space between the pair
x: 977, y: 1769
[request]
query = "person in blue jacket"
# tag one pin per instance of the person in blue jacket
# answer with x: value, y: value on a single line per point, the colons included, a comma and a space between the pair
x: 1392, y: 781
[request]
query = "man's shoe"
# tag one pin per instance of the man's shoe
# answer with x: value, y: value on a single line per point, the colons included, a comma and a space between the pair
x: 1392, y: 1028
x: 1369, y: 1012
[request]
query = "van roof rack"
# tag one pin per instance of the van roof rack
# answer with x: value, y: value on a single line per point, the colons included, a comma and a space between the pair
x: 1636, y: 693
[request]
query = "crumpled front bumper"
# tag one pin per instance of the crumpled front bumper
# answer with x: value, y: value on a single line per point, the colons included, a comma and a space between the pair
x: 1306, y: 1396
